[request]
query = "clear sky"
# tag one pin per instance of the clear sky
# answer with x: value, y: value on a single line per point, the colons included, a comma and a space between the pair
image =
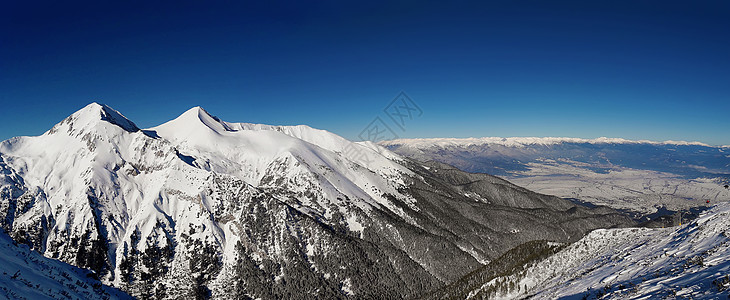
x: 653, y: 70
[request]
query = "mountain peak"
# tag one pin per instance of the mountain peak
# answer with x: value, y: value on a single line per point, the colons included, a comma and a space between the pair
x: 96, y: 112
x: 196, y: 110
x: 200, y: 112
x: 196, y: 116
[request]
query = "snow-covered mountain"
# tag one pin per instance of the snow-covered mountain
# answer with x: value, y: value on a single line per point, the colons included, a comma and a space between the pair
x: 200, y: 207
x: 691, y: 261
x: 640, y: 176
x: 28, y: 275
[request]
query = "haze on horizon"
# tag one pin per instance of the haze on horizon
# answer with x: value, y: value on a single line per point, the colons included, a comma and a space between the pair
x: 649, y: 70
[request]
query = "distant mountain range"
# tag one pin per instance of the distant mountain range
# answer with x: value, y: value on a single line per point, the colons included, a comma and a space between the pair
x: 644, y: 177
x: 199, y: 207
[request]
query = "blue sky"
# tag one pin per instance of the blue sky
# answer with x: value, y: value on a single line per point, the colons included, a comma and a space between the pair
x: 634, y: 69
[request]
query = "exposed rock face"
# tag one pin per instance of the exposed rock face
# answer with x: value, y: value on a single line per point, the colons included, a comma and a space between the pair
x: 199, y: 207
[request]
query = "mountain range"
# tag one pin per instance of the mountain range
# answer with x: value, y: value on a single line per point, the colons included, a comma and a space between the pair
x: 643, y: 178
x: 198, y: 208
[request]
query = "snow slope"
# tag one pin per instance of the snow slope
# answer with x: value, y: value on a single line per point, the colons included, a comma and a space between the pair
x: 28, y: 275
x: 247, y: 151
x: 689, y: 261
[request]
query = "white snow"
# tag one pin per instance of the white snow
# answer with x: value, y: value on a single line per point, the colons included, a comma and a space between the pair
x: 354, y: 225
x: 347, y: 287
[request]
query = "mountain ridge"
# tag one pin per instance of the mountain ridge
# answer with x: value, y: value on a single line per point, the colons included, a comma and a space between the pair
x: 521, y: 141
